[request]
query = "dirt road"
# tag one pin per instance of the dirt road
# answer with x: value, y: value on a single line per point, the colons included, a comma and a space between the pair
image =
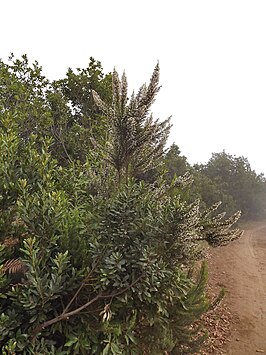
x: 241, y: 268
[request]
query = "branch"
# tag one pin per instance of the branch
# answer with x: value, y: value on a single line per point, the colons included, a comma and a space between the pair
x: 62, y: 316
x: 79, y: 289
x: 58, y: 136
x: 66, y: 315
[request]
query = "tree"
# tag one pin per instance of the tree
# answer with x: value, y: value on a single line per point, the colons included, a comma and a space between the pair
x: 22, y: 94
x: 175, y: 163
x: 78, y: 88
x: 63, y: 109
x: 87, y: 123
x: 236, y: 178
x: 210, y: 191
x: 92, y: 259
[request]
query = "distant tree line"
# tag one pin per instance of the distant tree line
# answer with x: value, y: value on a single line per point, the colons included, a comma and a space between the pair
x: 100, y: 224
x: 224, y: 178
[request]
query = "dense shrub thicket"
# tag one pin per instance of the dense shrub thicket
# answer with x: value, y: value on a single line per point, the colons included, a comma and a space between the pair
x: 96, y: 257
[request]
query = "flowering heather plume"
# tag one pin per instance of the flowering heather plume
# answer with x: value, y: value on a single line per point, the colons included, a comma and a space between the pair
x: 136, y: 140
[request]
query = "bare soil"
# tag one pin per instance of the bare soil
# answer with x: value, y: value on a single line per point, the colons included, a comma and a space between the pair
x: 238, y: 326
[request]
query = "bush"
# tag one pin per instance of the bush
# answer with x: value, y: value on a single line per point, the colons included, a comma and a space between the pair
x: 93, y: 260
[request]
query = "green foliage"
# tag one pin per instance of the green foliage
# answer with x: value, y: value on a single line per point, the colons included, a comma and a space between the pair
x: 93, y: 260
x: 225, y: 178
x: 78, y: 88
x: 86, y: 123
x: 63, y: 109
x: 210, y: 191
x: 235, y: 178
x: 175, y: 163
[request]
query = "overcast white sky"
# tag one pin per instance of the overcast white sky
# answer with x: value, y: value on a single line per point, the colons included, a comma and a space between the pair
x: 212, y: 56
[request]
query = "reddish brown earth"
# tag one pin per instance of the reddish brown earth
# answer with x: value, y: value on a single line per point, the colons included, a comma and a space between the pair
x: 238, y: 326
